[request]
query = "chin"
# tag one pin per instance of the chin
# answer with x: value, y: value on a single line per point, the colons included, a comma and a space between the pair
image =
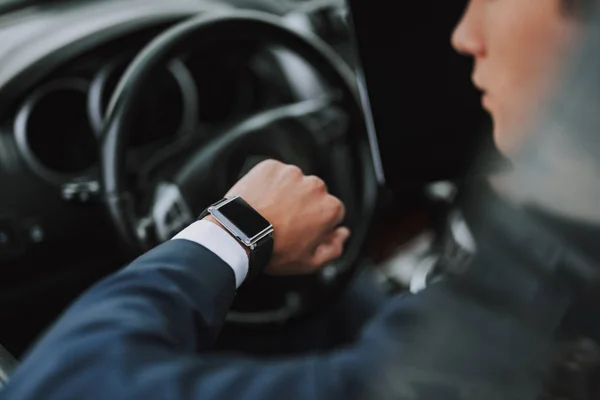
x: 496, y: 133
x: 508, y: 142
x: 501, y: 141
x: 501, y: 135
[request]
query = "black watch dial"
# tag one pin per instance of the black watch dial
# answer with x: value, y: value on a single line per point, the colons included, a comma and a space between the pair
x: 244, y: 217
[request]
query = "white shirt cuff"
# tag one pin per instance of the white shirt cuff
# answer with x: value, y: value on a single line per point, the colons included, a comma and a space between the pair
x: 218, y: 241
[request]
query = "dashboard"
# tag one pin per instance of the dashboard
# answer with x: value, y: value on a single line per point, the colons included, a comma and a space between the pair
x: 59, y: 65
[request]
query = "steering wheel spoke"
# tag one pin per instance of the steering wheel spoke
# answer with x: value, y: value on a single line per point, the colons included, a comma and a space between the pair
x: 288, y: 133
x: 170, y: 212
x: 156, y: 156
x: 326, y: 119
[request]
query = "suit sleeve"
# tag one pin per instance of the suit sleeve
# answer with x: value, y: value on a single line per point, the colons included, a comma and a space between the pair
x: 146, y: 333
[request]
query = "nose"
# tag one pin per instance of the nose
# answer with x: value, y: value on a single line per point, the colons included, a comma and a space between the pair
x: 467, y: 37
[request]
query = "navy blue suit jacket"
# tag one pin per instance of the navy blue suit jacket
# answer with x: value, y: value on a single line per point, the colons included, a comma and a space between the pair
x: 146, y: 332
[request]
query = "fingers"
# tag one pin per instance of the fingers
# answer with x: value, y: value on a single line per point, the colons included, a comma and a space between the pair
x: 332, y: 207
x: 336, y: 211
x: 269, y: 164
x: 331, y: 248
x: 317, y: 184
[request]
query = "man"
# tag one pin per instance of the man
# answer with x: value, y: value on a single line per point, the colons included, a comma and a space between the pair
x: 147, y: 331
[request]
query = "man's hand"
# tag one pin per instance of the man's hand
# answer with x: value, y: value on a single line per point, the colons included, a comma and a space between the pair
x: 305, y: 216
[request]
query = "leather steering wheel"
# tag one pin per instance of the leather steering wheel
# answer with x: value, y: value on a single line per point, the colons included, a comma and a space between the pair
x: 325, y: 136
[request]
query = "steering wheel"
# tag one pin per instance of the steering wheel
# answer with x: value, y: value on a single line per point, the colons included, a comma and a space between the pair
x: 325, y: 136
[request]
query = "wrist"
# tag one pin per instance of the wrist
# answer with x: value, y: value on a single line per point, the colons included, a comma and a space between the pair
x: 213, y: 220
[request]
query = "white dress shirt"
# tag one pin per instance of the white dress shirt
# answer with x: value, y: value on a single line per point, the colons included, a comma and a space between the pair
x: 218, y: 241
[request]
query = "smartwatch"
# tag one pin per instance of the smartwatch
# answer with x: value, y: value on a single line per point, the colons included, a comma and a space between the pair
x: 248, y: 227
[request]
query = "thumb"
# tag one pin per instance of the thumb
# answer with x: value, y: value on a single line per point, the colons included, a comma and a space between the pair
x: 330, y: 248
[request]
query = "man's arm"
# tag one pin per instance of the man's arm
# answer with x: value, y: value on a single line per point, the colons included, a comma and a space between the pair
x: 144, y: 333
x: 138, y: 334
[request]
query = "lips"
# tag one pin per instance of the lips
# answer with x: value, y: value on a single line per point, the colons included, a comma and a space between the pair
x: 477, y: 84
x: 485, y: 97
x: 485, y: 100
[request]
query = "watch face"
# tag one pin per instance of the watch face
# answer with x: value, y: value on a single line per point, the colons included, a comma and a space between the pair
x: 244, y: 217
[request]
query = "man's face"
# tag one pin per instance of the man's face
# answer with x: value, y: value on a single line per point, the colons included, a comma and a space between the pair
x: 517, y: 46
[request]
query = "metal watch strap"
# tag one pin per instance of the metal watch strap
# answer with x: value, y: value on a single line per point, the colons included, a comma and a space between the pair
x: 205, y: 213
x: 259, y: 257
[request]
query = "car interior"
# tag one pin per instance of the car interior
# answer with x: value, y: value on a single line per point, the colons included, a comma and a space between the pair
x: 120, y: 120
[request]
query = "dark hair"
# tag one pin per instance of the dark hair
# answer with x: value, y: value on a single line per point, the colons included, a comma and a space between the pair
x: 575, y: 374
x: 577, y: 7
